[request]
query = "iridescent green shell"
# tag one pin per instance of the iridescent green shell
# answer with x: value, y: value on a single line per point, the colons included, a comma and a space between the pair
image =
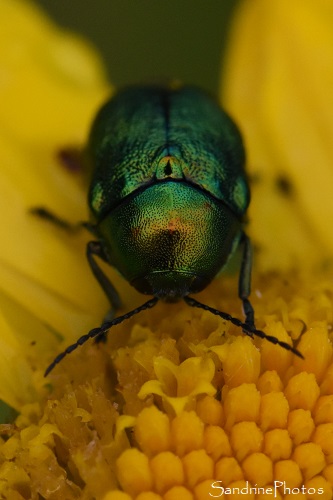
x: 168, y: 188
x: 141, y: 126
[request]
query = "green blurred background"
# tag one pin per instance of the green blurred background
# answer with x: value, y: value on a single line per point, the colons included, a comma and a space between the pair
x: 152, y: 40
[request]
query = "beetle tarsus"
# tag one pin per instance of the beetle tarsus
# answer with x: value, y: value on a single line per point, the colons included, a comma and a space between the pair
x: 249, y: 314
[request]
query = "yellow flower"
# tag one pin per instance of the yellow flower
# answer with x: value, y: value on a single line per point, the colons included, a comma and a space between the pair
x: 179, y: 385
x: 177, y: 409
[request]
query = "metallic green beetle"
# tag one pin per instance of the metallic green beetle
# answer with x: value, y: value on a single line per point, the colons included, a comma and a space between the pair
x: 168, y: 194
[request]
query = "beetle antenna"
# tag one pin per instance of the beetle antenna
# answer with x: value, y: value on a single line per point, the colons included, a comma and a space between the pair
x: 103, y: 329
x: 248, y: 330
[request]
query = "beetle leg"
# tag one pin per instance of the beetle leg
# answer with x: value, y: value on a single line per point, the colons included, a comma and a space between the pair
x: 96, y: 248
x: 46, y: 214
x: 244, y: 283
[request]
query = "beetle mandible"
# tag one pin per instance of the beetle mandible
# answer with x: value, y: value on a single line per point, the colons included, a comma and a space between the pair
x: 168, y: 194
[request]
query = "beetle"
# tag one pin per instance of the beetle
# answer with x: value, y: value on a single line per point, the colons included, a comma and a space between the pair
x: 168, y: 196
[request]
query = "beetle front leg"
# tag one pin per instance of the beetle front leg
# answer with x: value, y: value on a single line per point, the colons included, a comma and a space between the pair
x: 244, y: 284
x: 96, y: 248
x: 46, y: 214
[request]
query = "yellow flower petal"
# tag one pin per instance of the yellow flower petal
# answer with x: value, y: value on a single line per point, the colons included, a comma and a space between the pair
x: 17, y: 379
x: 43, y: 67
x: 277, y: 84
x: 191, y: 378
x: 51, y: 85
x: 231, y: 354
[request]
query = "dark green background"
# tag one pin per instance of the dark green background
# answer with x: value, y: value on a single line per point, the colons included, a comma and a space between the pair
x: 149, y: 40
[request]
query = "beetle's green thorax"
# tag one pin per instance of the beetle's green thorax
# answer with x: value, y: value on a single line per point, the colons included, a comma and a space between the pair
x: 169, y: 239
x: 136, y: 132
